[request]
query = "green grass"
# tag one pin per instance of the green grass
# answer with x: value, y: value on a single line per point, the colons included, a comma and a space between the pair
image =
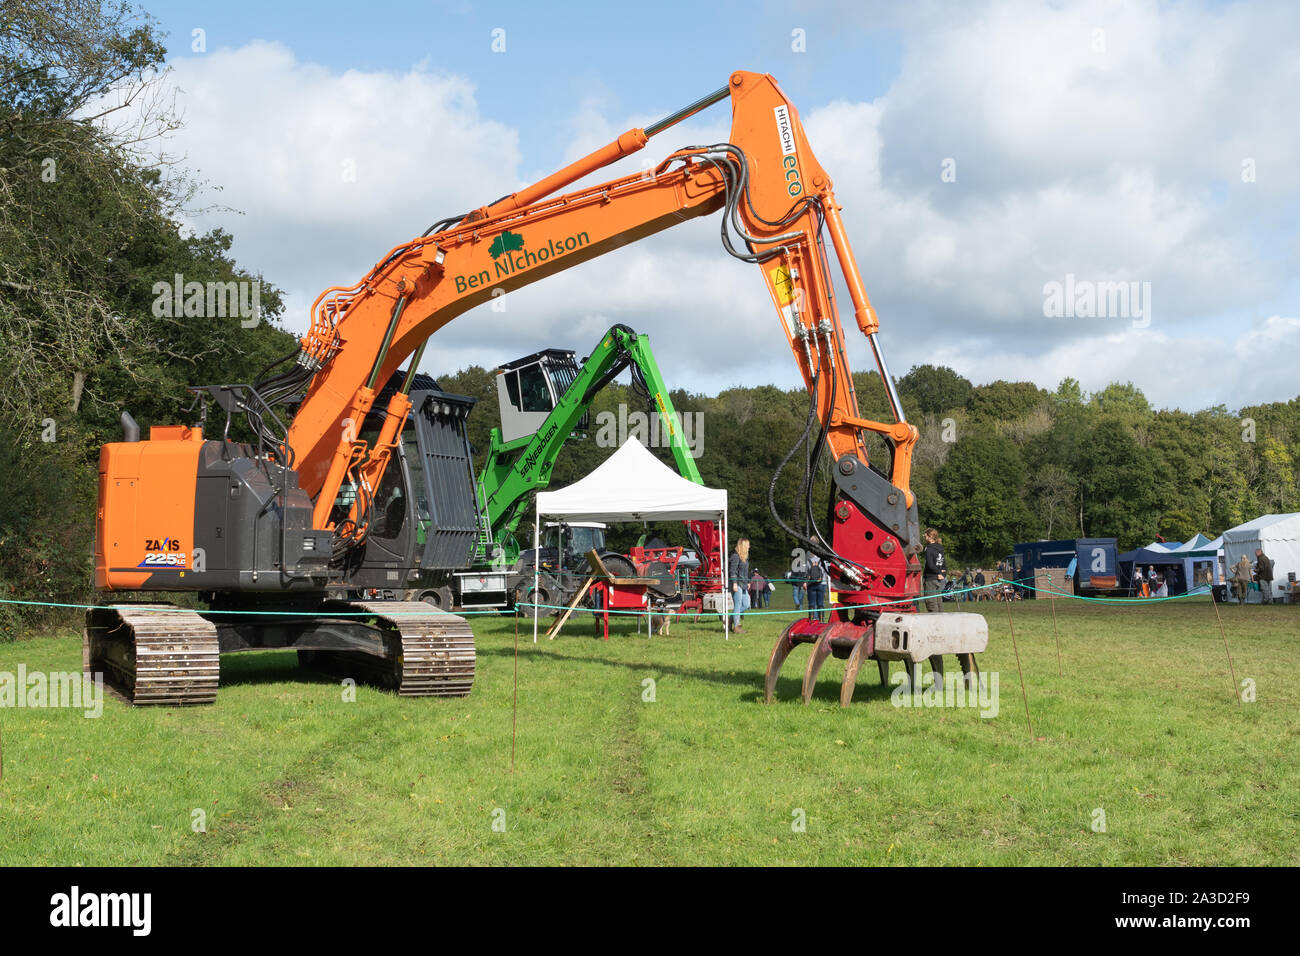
x: 1143, y: 725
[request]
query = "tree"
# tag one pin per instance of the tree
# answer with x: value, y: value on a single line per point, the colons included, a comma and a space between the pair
x: 1068, y: 392
x: 1054, y: 494
x: 1225, y: 455
x: 1275, y: 477
x: 86, y: 231
x: 72, y: 204
x: 1178, y: 525
x: 982, y: 486
x: 1118, y: 485
x: 1117, y: 399
x: 931, y: 389
x: 1004, y: 401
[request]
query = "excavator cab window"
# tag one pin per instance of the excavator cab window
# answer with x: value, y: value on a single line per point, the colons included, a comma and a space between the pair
x: 419, y: 487
x: 534, y: 390
x: 390, y: 506
x: 512, y: 388
x: 528, y: 390
x: 563, y: 370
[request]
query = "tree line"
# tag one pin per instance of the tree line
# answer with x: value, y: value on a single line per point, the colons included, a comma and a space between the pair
x: 995, y: 464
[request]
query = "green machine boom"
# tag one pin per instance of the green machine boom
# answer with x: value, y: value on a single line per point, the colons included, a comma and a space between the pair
x: 544, y: 400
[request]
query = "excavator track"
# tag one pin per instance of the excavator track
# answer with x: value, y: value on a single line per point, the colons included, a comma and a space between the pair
x: 429, y: 653
x: 153, y: 653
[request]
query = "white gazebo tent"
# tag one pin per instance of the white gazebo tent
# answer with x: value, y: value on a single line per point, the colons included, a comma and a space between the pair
x: 1277, y: 535
x: 630, y: 485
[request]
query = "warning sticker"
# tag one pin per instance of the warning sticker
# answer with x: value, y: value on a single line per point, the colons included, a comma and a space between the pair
x: 783, y: 284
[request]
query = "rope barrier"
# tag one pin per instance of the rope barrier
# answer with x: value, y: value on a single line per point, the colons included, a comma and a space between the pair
x: 1198, y: 592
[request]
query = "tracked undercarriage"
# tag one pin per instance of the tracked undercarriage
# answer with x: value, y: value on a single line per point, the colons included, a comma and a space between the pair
x: 162, y: 654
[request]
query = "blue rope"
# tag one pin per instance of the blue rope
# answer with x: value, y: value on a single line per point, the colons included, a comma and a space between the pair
x: 1202, y: 590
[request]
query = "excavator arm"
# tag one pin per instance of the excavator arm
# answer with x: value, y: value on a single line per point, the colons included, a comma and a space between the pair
x: 778, y: 208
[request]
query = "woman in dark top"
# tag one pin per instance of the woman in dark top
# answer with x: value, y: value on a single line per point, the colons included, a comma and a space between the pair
x: 936, y: 572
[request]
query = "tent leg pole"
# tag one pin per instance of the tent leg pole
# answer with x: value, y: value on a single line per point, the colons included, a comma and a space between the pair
x: 726, y: 585
x: 537, y: 564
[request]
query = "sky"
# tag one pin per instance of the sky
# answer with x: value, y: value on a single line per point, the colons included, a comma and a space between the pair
x: 992, y: 161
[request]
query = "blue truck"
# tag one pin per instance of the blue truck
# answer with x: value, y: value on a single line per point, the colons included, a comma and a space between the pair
x: 1093, y: 563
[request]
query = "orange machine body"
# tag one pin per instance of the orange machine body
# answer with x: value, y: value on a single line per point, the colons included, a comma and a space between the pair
x: 144, y: 529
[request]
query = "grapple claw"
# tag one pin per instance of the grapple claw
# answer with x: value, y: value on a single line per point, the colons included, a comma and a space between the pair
x: 862, y: 648
x: 850, y: 681
x: 784, y: 645
x: 839, y: 638
x: 821, y: 650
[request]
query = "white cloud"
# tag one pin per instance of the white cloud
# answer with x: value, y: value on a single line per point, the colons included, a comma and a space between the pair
x: 1115, y: 165
x: 328, y: 171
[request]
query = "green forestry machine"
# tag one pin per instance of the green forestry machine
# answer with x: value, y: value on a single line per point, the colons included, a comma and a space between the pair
x: 471, y: 558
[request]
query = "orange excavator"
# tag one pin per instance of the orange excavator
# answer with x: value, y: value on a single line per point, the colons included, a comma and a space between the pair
x: 274, y: 532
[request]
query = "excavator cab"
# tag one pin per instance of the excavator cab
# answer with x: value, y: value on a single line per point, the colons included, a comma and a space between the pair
x: 528, y: 389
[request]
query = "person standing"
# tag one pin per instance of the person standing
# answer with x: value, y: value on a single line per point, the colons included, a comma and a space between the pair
x: 936, y: 572
x: 738, y: 576
x: 1241, y: 579
x: 1264, y: 575
x: 798, y: 578
x: 816, y: 587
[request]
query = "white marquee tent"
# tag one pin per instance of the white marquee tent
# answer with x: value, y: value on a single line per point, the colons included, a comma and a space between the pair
x: 630, y: 485
x: 1277, y: 535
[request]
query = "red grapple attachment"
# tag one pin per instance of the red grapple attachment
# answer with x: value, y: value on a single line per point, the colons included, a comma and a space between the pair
x: 907, y: 637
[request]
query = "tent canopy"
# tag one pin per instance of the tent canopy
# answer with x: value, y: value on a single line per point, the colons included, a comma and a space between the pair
x: 1153, y: 553
x: 1196, y: 543
x: 1277, y: 535
x: 1187, y: 557
x: 1273, y: 526
x: 634, y: 485
x: 631, y: 485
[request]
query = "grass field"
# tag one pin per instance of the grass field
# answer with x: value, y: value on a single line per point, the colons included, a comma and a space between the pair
x: 1143, y: 725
